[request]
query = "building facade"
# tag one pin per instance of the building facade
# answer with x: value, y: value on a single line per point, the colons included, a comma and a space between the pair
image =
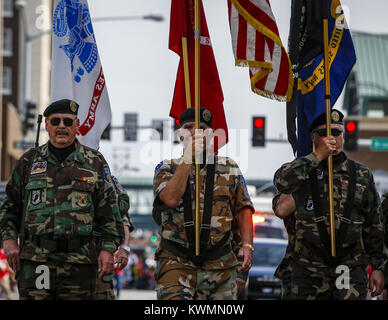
x: 26, y: 60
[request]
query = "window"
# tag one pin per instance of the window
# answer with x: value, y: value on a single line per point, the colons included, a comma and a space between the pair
x: 7, y: 8
x: 7, y: 42
x: 7, y: 81
x: 377, y: 108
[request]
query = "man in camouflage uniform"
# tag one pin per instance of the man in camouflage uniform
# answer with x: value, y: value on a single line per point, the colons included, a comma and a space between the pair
x: 104, y: 287
x: 283, y: 206
x: 57, y: 196
x: 384, y: 206
x: 359, y: 230
x: 180, y: 274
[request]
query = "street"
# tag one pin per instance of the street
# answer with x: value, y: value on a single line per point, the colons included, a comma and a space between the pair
x: 137, y: 295
x: 124, y: 295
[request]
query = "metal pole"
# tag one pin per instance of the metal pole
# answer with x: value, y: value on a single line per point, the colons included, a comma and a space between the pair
x: 186, y: 72
x: 197, y: 35
x: 328, y: 127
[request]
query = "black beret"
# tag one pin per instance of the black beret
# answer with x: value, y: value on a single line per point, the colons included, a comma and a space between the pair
x: 189, y: 116
x: 336, y: 118
x: 62, y: 106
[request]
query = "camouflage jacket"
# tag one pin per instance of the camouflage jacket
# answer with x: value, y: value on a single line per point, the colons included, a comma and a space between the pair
x: 64, y: 201
x: 365, y: 228
x: 384, y: 206
x: 123, y: 204
x: 284, y: 267
x: 229, y: 197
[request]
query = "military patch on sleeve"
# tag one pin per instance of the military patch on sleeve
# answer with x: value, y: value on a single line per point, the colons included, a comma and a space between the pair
x: 159, y: 165
x: 39, y: 167
x: 117, y: 184
x: 244, y: 184
x: 36, y: 197
x: 107, y: 176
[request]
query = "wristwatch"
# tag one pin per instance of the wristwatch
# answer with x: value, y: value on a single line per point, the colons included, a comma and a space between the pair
x: 248, y: 245
x: 126, y: 248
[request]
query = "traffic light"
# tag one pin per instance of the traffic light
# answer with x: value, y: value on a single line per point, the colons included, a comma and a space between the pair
x: 176, y: 127
x: 130, y: 126
x: 351, y: 135
x: 106, y: 133
x: 28, y: 122
x: 258, y: 131
x: 158, y: 126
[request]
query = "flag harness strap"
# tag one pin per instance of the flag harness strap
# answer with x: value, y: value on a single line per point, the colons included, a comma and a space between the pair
x: 345, y: 219
x: 206, y: 253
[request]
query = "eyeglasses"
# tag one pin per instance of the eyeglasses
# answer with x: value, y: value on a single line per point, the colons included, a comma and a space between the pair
x: 68, y: 122
x: 322, y: 132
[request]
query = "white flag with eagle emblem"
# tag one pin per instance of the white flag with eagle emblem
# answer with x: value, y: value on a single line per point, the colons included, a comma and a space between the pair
x: 76, y: 71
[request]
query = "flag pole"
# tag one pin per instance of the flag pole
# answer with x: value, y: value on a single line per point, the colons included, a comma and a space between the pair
x: 197, y: 34
x: 328, y: 121
x: 186, y: 72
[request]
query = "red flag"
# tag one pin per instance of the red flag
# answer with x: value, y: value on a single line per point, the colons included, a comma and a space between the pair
x: 182, y: 25
x: 256, y: 44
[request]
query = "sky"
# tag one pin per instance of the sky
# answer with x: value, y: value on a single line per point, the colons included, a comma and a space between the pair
x: 140, y: 73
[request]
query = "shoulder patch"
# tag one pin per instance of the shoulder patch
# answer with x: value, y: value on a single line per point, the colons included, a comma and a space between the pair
x: 117, y: 184
x: 244, y: 184
x: 159, y: 165
x: 107, y: 176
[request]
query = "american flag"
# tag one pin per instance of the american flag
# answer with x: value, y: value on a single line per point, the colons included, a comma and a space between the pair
x: 257, y: 45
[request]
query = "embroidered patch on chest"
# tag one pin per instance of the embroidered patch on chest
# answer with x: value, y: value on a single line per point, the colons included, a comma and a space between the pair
x: 310, y: 205
x: 36, y: 197
x: 82, y: 199
x: 84, y: 180
x: 39, y: 167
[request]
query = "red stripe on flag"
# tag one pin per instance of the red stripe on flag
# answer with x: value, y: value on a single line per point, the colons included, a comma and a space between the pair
x: 242, y: 38
x: 259, y: 15
x: 91, y: 118
x: 282, y: 84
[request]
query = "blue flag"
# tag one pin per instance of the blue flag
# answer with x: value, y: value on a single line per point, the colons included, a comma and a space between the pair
x: 311, y: 81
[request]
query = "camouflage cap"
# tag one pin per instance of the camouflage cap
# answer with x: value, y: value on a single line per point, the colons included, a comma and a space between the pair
x: 336, y: 118
x: 62, y: 106
x: 189, y: 116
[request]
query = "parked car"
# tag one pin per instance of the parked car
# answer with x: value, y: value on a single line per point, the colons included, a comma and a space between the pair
x: 268, y: 226
x: 267, y: 255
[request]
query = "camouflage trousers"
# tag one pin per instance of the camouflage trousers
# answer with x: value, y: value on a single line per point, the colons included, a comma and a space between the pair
x: 176, y: 281
x: 286, y: 287
x: 104, y: 290
x: 283, y: 272
x: 386, y: 276
x: 312, y: 283
x: 64, y: 281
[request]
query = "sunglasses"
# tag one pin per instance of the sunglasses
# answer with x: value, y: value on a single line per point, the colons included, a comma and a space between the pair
x: 322, y: 132
x: 68, y: 122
